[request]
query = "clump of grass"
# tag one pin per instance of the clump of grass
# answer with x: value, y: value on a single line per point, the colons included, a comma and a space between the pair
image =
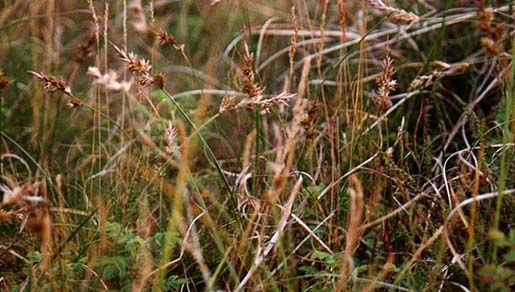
x: 209, y: 151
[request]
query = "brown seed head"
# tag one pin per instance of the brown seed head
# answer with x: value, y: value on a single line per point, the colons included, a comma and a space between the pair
x: 250, y: 87
x: 135, y: 64
x: 3, y: 81
x: 159, y: 79
x: 144, y: 81
x: 403, y: 17
x: 489, y: 46
x: 85, y: 49
x: 385, y: 83
x: 165, y: 38
x: 74, y: 103
x: 52, y: 84
x: 397, y: 15
x: 424, y: 81
x: 228, y: 103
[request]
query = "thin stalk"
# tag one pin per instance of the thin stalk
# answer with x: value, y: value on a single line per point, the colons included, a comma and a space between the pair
x: 208, y: 148
x: 506, y: 138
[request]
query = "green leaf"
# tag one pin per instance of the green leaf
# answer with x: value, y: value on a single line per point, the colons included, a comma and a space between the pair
x: 34, y: 256
x: 174, y: 282
x: 77, y: 266
x: 510, y: 257
x: 498, y: 238
x: 112, y: 267
x: 320, y: 255
x: 133, y: 244
x: 113, y: 229
x: 308, y: 270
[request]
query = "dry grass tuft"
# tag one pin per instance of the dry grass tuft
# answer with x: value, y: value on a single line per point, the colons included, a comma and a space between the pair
x: 320, y: 145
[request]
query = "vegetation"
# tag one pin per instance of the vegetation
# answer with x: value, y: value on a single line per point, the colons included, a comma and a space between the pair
x: 257, y: 145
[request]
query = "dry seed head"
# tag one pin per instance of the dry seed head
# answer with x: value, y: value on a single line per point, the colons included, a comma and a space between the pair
x: 386, y: 84
x: 141, y: 65
x: 3, y: 81
x: 166, y: 39
x: 397, y: 15
x: 249, y: 85
x: 135, y: 64
x: 385, y: 79
x: 486, y: 16
x: 424, y: 81
x: 460, y: 68
x: 281, y: 99
x: 74, y: 103
x: 403, y: 17
x: 172, y: 145
x: 486, y: 23
x: 228, y: 103
x: 52, y: 84
x: 159, y: 79
x: 144, y: 81
x: 489, y: 46
x: 308, y: 119
x: 498, y: 31
x: 441, y: 65
x: 85, y: 49
x: 446, y: 68
x: 265, y: 103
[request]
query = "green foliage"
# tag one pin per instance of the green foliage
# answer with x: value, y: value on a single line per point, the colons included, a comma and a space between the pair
x: 173, y: 283
x: 34, y: 257
x: 112, y: 267
x: 500, y: 277
x: 329, y: 261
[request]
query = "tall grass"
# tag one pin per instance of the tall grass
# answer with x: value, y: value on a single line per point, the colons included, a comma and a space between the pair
x: 257, y: 145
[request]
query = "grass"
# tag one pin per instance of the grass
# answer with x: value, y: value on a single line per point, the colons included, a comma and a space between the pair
x: 257, y: 145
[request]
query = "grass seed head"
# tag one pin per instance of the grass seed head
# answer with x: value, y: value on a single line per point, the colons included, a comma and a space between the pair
x: 424, y: 81
x: 159, y: 80
x: 51, y: 83
x: 171, y: 140
x: 86, y: 50
x: 74, y: 103
x: 165, y: 39
x: 3, y: 81
x: 135, y: 64
x: 250, y: 87
x: 228, y: 103
x: 396, y: 15
x: 386, y: 84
